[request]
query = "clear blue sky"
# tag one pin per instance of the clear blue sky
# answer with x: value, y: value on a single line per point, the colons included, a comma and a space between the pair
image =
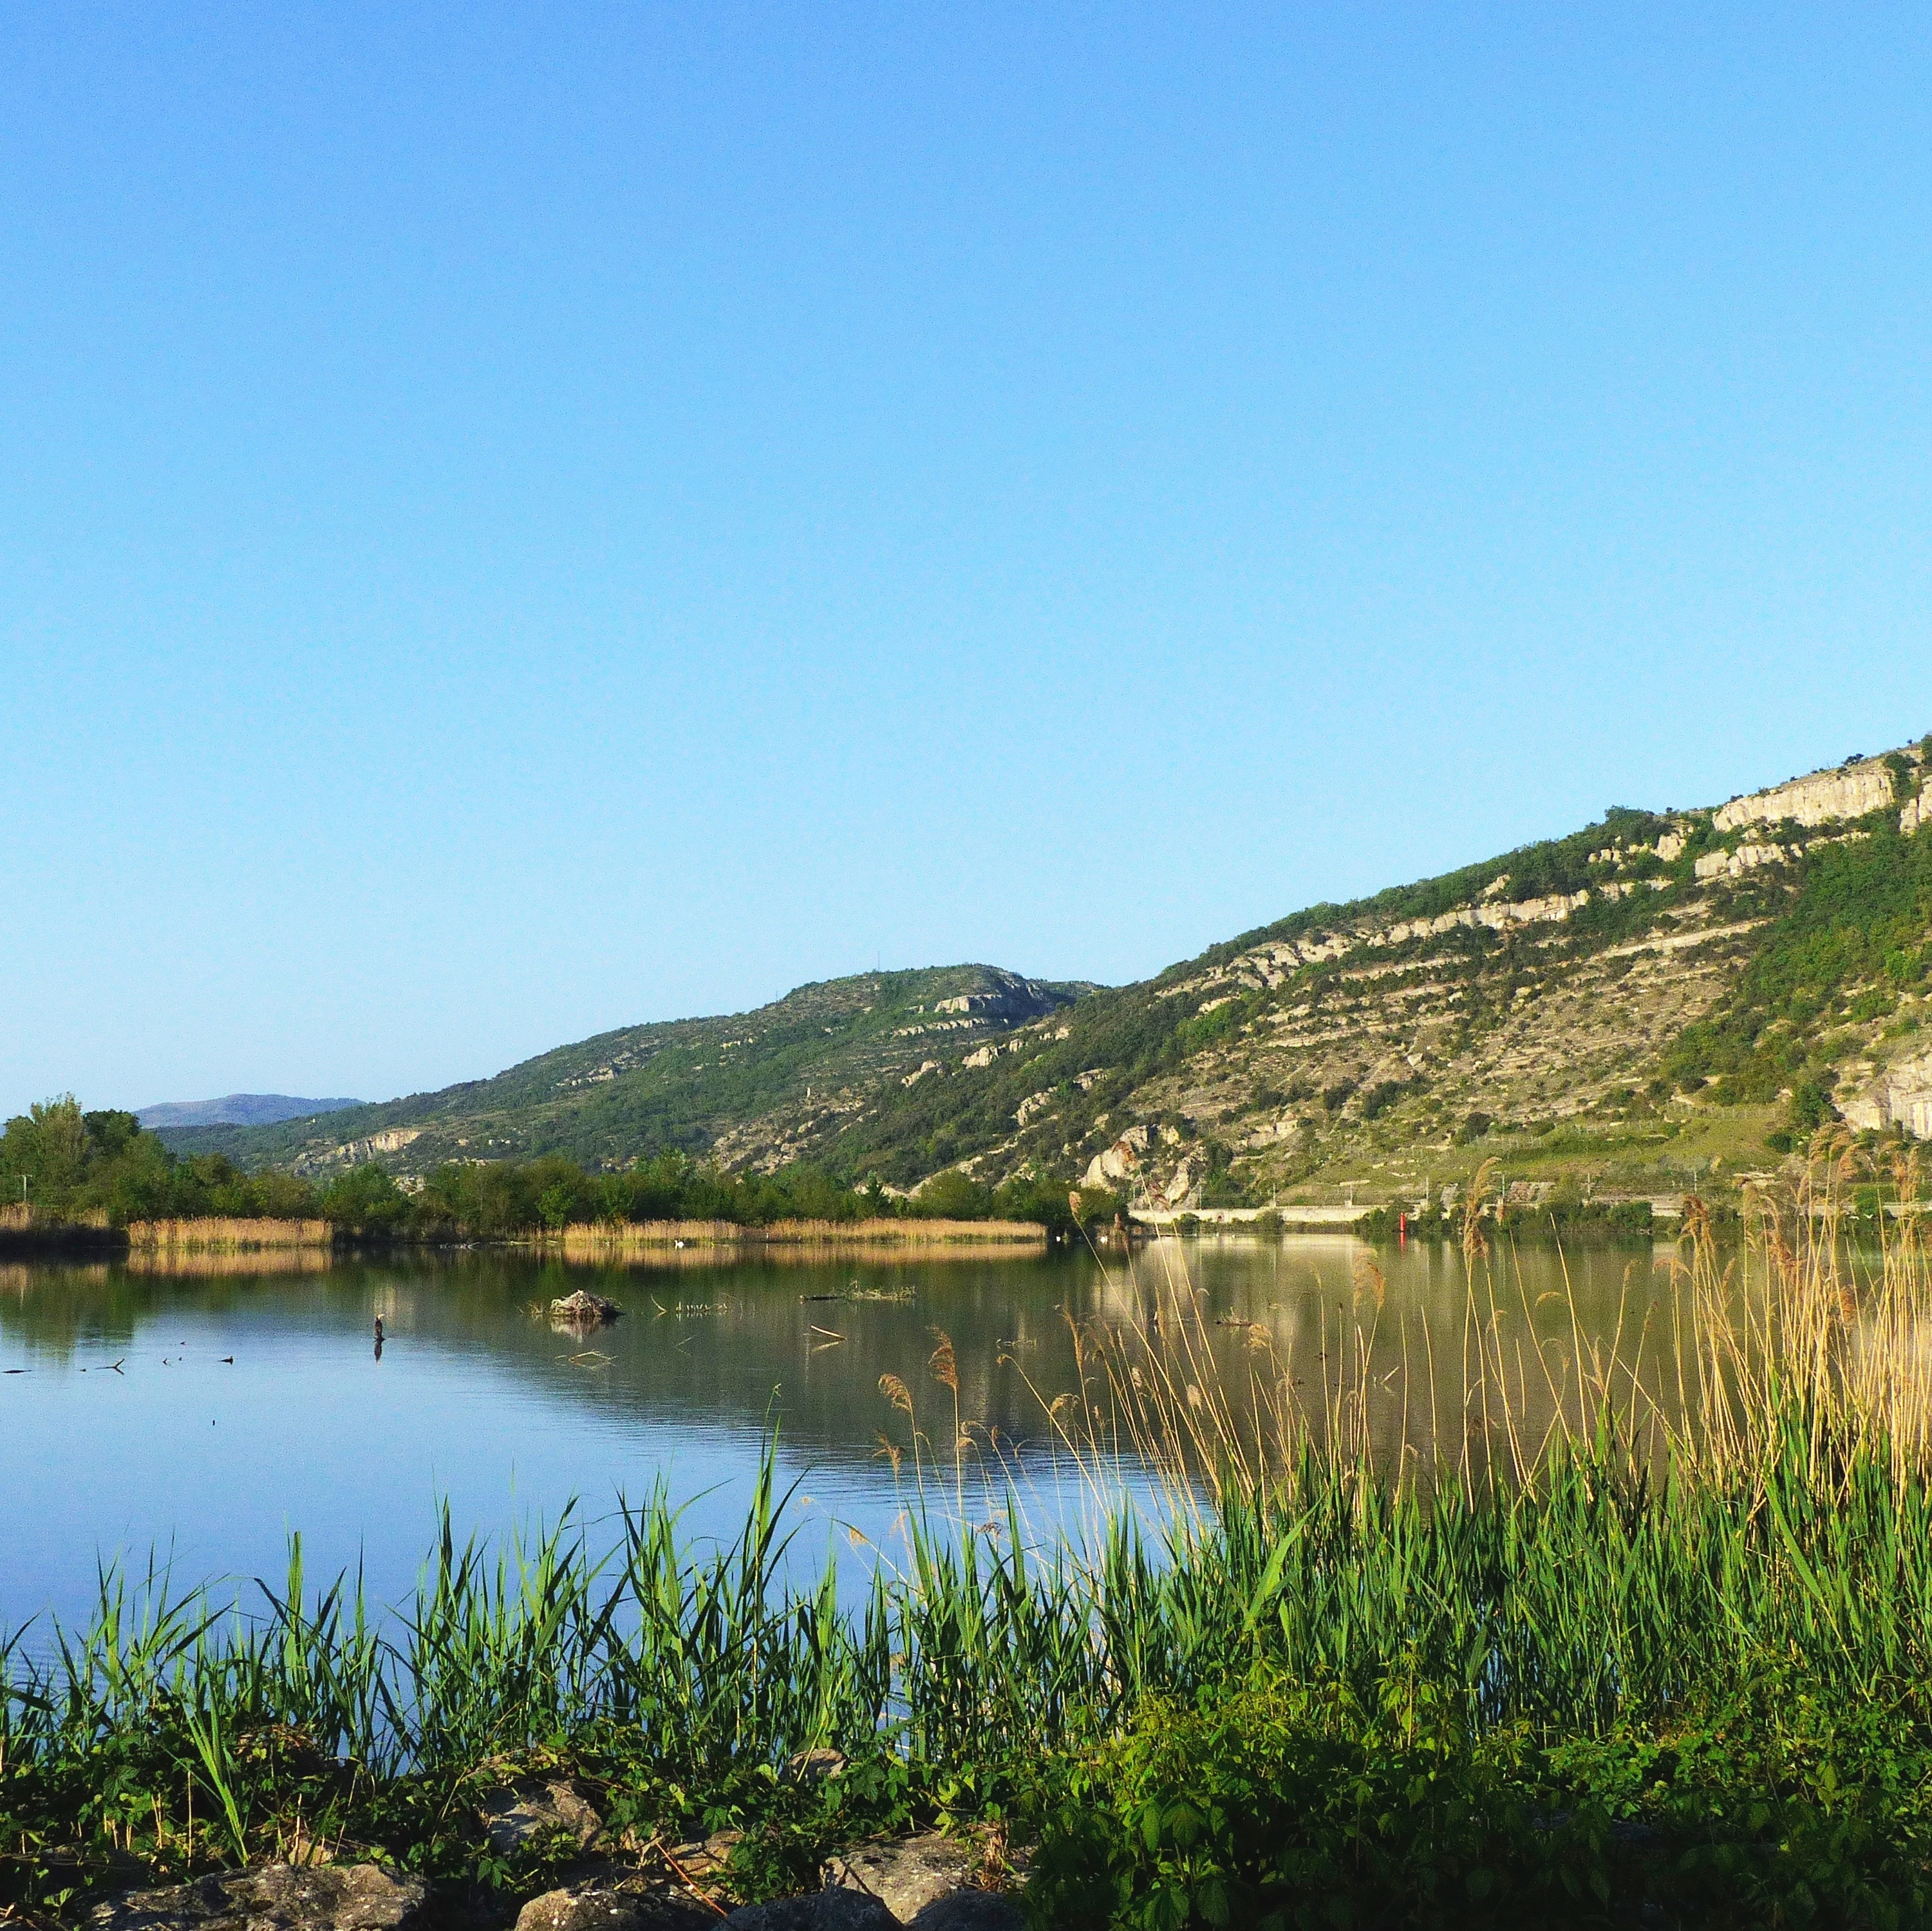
x: 517, y: 520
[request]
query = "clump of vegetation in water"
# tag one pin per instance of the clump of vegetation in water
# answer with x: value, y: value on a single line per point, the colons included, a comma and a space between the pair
x: 1591, y: 1658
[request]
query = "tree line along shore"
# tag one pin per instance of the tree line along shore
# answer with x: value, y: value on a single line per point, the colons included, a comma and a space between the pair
x: 80, y: 1179
x: 97, y: 1182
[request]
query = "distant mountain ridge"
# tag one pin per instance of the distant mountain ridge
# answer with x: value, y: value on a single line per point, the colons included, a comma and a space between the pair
x: 1627, y: 1005
x: 238, y: 1109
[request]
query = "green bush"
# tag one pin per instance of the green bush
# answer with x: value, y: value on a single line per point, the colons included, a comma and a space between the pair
x: 952, y: 1196
x: 1269, y: 1803
x: 365, y: 1197
x: 1285, y: 1804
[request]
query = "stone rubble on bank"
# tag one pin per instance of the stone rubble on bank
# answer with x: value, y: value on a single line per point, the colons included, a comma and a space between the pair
x: 837, y: 1908
x: 923, y: 1882
x: 614, y: 1899
x: 908, y: 1875
x: 273, y: 1897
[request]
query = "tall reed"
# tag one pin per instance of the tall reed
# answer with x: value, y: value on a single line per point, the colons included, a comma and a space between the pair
x: 215, y: 1234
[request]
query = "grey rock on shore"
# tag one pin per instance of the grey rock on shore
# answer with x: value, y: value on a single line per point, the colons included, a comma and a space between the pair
x: 907, y: 1875
x: 627, y: 1906
x: 273, y: 1897
x: 970, y: 1911
x: 520, y: 1813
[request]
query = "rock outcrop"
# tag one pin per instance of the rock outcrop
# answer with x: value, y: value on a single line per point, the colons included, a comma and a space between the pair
x: 273, y: 1897
x: 1849, y: 792
x: 582, y: 1309
x: 1008, y: 997
x: 1901, y: 1095
x: 1121, y: 1161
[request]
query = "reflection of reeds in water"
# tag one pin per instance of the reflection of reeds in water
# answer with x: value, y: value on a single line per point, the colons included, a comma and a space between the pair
x: 203, y: 1264
x: 1796, y: 1320
x: 212, y: 1234
x: 605, y: 1240
x: 17, y: 1277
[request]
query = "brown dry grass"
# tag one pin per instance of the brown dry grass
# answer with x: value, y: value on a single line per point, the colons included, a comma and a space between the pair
x: 212, y: 1234
x: 24, y: 1217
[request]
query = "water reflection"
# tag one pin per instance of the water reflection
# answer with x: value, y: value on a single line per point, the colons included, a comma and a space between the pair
x: 245, y: 1404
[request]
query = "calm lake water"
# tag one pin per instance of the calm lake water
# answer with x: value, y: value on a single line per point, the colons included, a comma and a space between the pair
x: 126, y: 1428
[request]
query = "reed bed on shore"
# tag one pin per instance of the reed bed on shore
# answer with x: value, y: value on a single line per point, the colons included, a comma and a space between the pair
x: 216, y: 1234
x: 605, y: 1240
x: 21, y: 1216
x: 1697, y: 1381
x: 1665, y: 1660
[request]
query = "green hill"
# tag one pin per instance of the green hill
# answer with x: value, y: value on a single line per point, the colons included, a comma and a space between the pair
x: 1654, y: 995
x: 751, y: 1089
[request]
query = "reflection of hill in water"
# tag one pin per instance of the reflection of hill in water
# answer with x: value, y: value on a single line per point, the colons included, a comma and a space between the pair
x: 732, y: 1346
x: 729, y: 1346
x: 715, y: 1348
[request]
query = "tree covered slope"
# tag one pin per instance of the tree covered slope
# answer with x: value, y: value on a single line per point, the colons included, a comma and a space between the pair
x: 755, y: 1089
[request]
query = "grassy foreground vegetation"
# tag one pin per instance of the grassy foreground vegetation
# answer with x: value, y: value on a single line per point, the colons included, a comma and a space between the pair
x: 1642, y: 1634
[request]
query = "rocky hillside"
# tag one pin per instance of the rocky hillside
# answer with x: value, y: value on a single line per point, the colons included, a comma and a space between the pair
x: 1636, y: 1003
x: 1647, y: 1000
x: 751, y: 1089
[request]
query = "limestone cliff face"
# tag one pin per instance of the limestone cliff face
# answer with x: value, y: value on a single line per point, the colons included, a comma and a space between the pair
x: 1849, y: 792
x: 352, y: 1152
x: 1008, y: 996
x: 1901, y: 1094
